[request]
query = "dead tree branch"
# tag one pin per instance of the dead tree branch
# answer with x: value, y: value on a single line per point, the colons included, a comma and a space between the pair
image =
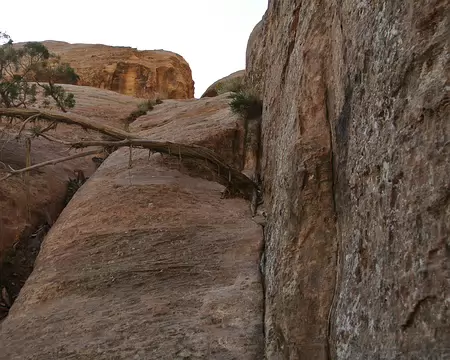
x: 32, y: 117
x: 13, y: 172
x: 233, y: 179
x: 230, y: 177
x: 70, y: 119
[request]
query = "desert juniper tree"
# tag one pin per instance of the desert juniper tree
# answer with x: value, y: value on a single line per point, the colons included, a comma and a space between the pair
x: 25, y: 69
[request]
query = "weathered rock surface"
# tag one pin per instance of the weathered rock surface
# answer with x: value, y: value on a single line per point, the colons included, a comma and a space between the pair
x: 254, y: 59
x: 146, y: 74
x: 356, y: 138
x: 148, y: 262
x: 22, y: 210
x: 208, y: 123
x: 228, y: 83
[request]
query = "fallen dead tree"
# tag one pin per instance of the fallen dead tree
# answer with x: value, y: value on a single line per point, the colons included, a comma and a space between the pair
x: 235, y: 182
x: 65, y: 118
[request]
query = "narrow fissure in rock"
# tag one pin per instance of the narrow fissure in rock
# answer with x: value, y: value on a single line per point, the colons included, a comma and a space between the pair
x: 17, y: 265
x: 18, y: 262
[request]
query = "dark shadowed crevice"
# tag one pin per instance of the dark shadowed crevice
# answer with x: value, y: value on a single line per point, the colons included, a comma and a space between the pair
x: 18, y: 262
x: 17, y: 265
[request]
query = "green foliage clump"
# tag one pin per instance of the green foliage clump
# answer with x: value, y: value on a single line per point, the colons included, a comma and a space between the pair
x: 246, y: 104
x: 73, y: 185
x: 58, y: 72
x: 24, y: 69
x: 4, y: 38
x: 142, y: 109
x: 63, y: 100
x: 34, y: 49
x: 145, y: 106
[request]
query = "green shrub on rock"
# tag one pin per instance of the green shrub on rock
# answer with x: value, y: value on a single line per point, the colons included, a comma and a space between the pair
x: 246, y: 104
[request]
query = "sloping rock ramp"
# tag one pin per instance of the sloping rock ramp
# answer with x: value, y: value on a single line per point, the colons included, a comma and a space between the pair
x: 146, y: 262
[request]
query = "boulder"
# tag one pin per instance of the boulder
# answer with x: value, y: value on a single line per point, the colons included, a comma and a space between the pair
x: 232, y: 82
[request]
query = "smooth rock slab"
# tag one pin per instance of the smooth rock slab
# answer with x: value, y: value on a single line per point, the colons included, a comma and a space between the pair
x: 140, y: 269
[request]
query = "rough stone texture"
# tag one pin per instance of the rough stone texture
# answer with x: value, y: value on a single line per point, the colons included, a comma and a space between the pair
x: 226, y: 84
x: 146, y: 74
x: 391, y: 129
x: 254, y: 59
x: 208, y: 123
x: 300, y: 235
x: 26, y: 204
x: 148, y: 262
x: 21, y: 212
x: 355, y: 138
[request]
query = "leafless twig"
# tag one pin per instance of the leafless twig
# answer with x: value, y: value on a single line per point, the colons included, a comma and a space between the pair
x: 13, y: 172
x: 32, y: 117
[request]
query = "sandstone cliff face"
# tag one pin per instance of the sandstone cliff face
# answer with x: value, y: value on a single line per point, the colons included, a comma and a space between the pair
x: 355, y: 135
x: 228, y: 83
x: 146, y: 74
x: 148, y: 262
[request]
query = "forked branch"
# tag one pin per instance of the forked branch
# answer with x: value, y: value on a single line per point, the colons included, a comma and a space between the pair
x: 235, y: 181
x: 229, y: 176
x: 68, y: 118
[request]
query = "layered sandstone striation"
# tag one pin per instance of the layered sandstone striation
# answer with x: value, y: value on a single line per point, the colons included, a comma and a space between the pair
x: 151, y: 261
x: 146, y: 74
x: 355, y: 136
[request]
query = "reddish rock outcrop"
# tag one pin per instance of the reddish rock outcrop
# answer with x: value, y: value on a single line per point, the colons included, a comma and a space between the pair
x: 355, y: 136
x: 232, y: 82
x: 149, y: 262
x: 146, y: 74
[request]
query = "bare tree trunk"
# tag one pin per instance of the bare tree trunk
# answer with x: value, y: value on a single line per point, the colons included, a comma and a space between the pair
x: 233, y: 179
x: 70, y: 119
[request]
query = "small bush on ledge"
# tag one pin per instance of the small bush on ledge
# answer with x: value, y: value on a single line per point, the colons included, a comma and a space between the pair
x: 145, y: 106
x: 246, y: 104
x: 142, y: 109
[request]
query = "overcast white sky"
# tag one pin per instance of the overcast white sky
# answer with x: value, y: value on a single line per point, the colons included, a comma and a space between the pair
x: 210, y: 34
